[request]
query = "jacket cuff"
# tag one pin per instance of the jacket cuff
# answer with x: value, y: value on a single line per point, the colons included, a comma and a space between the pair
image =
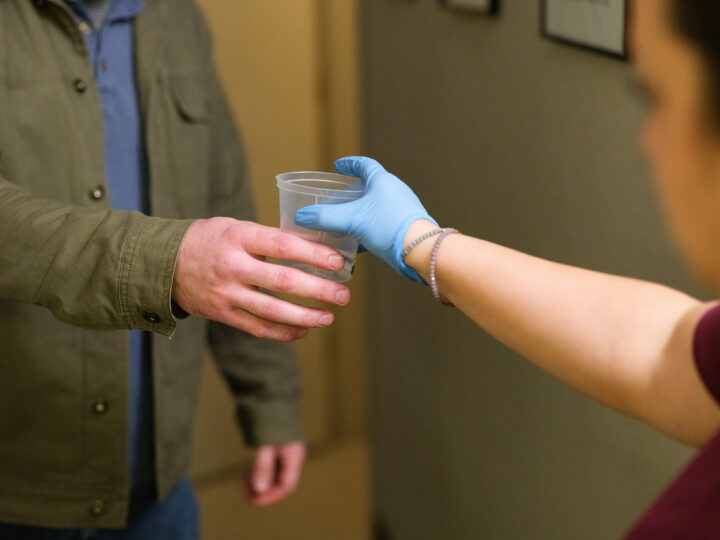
x: 273, y: 423
x: 147, y: 268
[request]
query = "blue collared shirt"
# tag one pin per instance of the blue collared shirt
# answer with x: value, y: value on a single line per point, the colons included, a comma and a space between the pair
x: 112, y: 53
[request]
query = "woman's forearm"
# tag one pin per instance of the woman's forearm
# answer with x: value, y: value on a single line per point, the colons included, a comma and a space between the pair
x: 623, y: 342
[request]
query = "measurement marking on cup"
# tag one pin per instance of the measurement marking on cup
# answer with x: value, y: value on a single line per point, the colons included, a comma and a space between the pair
x: 321, y: 238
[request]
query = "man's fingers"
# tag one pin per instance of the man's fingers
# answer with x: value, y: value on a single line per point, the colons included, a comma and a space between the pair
x: 263, y: 328
x: 220, y: 256
x: 286, y: 483
x: 292, y: 457
x: 292, y: 281
x: 262, y: 476
x: 281, y: 311
x: 288, y: 462
x: 279, y: 245
x: 263, y: 488
x: 271, y: 497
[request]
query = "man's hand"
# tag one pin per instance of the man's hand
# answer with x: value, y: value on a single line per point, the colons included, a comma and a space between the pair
x: 221, y: 264
x: 275, y: 473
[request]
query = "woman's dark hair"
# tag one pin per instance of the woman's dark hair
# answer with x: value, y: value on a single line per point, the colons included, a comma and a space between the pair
x: 698, y: 21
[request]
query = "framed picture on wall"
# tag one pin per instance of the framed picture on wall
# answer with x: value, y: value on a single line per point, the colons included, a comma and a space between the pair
x: 486, y: 7
x: 599, y: 25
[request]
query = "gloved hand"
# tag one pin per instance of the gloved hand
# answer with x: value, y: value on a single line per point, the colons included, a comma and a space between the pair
x: 379, y: 219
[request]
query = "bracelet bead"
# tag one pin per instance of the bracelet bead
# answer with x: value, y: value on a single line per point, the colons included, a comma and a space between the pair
x: 415, y: 242
x: 433, y: 266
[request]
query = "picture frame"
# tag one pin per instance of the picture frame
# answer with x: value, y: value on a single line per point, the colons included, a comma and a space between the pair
x: 595, y: 25
x: 483, y: 7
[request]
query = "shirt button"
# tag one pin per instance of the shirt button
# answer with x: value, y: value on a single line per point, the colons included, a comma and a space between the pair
x: 96, y: 508
x: 151, y: 317
x: 84, y: 27
x: 80, y: 86
x: 97, y: 193
x: 100, y: 406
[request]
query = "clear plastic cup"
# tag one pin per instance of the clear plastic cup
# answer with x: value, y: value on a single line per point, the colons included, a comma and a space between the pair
x: 301, y: 189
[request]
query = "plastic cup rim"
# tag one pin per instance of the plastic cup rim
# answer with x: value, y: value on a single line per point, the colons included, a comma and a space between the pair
x: 286, y: 182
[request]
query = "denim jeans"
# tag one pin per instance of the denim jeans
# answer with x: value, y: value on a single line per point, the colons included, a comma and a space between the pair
x: 175, y: 518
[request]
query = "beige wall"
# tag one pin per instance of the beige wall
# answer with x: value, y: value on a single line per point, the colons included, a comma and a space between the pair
x: 290, y: 71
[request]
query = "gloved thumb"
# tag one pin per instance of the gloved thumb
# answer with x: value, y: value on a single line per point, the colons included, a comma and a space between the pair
x: 334, y: 218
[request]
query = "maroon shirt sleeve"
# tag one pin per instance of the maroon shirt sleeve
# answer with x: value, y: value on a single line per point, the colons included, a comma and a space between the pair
x: 706, y: 348
x: 690, y: 508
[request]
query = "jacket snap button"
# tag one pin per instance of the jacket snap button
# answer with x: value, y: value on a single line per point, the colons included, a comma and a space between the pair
x: 97, y: 193
x: 80, y: 86
x: 151, y: 317
x: 100, y: 407
x: 96, y: 508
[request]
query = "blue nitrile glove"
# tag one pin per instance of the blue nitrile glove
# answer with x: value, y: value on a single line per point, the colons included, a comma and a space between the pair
x: 379, y: 220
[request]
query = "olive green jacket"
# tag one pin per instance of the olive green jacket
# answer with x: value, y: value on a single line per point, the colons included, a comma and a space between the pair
x: 75, y: 275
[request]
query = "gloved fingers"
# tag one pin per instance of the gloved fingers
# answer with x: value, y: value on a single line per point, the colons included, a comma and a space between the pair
x: 348, y: 165
x: 364, y: 167
x: 333, y: 218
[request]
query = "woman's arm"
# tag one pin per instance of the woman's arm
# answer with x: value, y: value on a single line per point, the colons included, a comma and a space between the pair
x: 626, y: 343
x: 623, y: 342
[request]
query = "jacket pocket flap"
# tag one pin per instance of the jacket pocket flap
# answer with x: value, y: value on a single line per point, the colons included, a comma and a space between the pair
x: 190, y: 95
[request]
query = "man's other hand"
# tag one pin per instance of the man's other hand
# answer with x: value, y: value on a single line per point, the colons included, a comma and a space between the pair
x: 275, y: 473
x: 221, y: 264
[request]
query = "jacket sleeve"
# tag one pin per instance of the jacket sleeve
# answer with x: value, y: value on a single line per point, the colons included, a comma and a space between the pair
x: 263, y: 375
x: 98, y: 269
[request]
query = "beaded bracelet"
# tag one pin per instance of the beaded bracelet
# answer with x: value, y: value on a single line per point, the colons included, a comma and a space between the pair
x: 433, y: 265
x: 415, y: 242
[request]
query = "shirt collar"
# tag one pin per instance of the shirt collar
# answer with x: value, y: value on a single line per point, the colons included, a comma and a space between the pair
x: 119, y: 10
x: 125, y: 9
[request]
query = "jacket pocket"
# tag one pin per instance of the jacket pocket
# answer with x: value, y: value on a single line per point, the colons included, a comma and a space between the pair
x: 179, y: 147
x: 190, y: 98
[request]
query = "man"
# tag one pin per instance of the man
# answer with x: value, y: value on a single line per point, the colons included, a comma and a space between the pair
x: 115, y: 103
